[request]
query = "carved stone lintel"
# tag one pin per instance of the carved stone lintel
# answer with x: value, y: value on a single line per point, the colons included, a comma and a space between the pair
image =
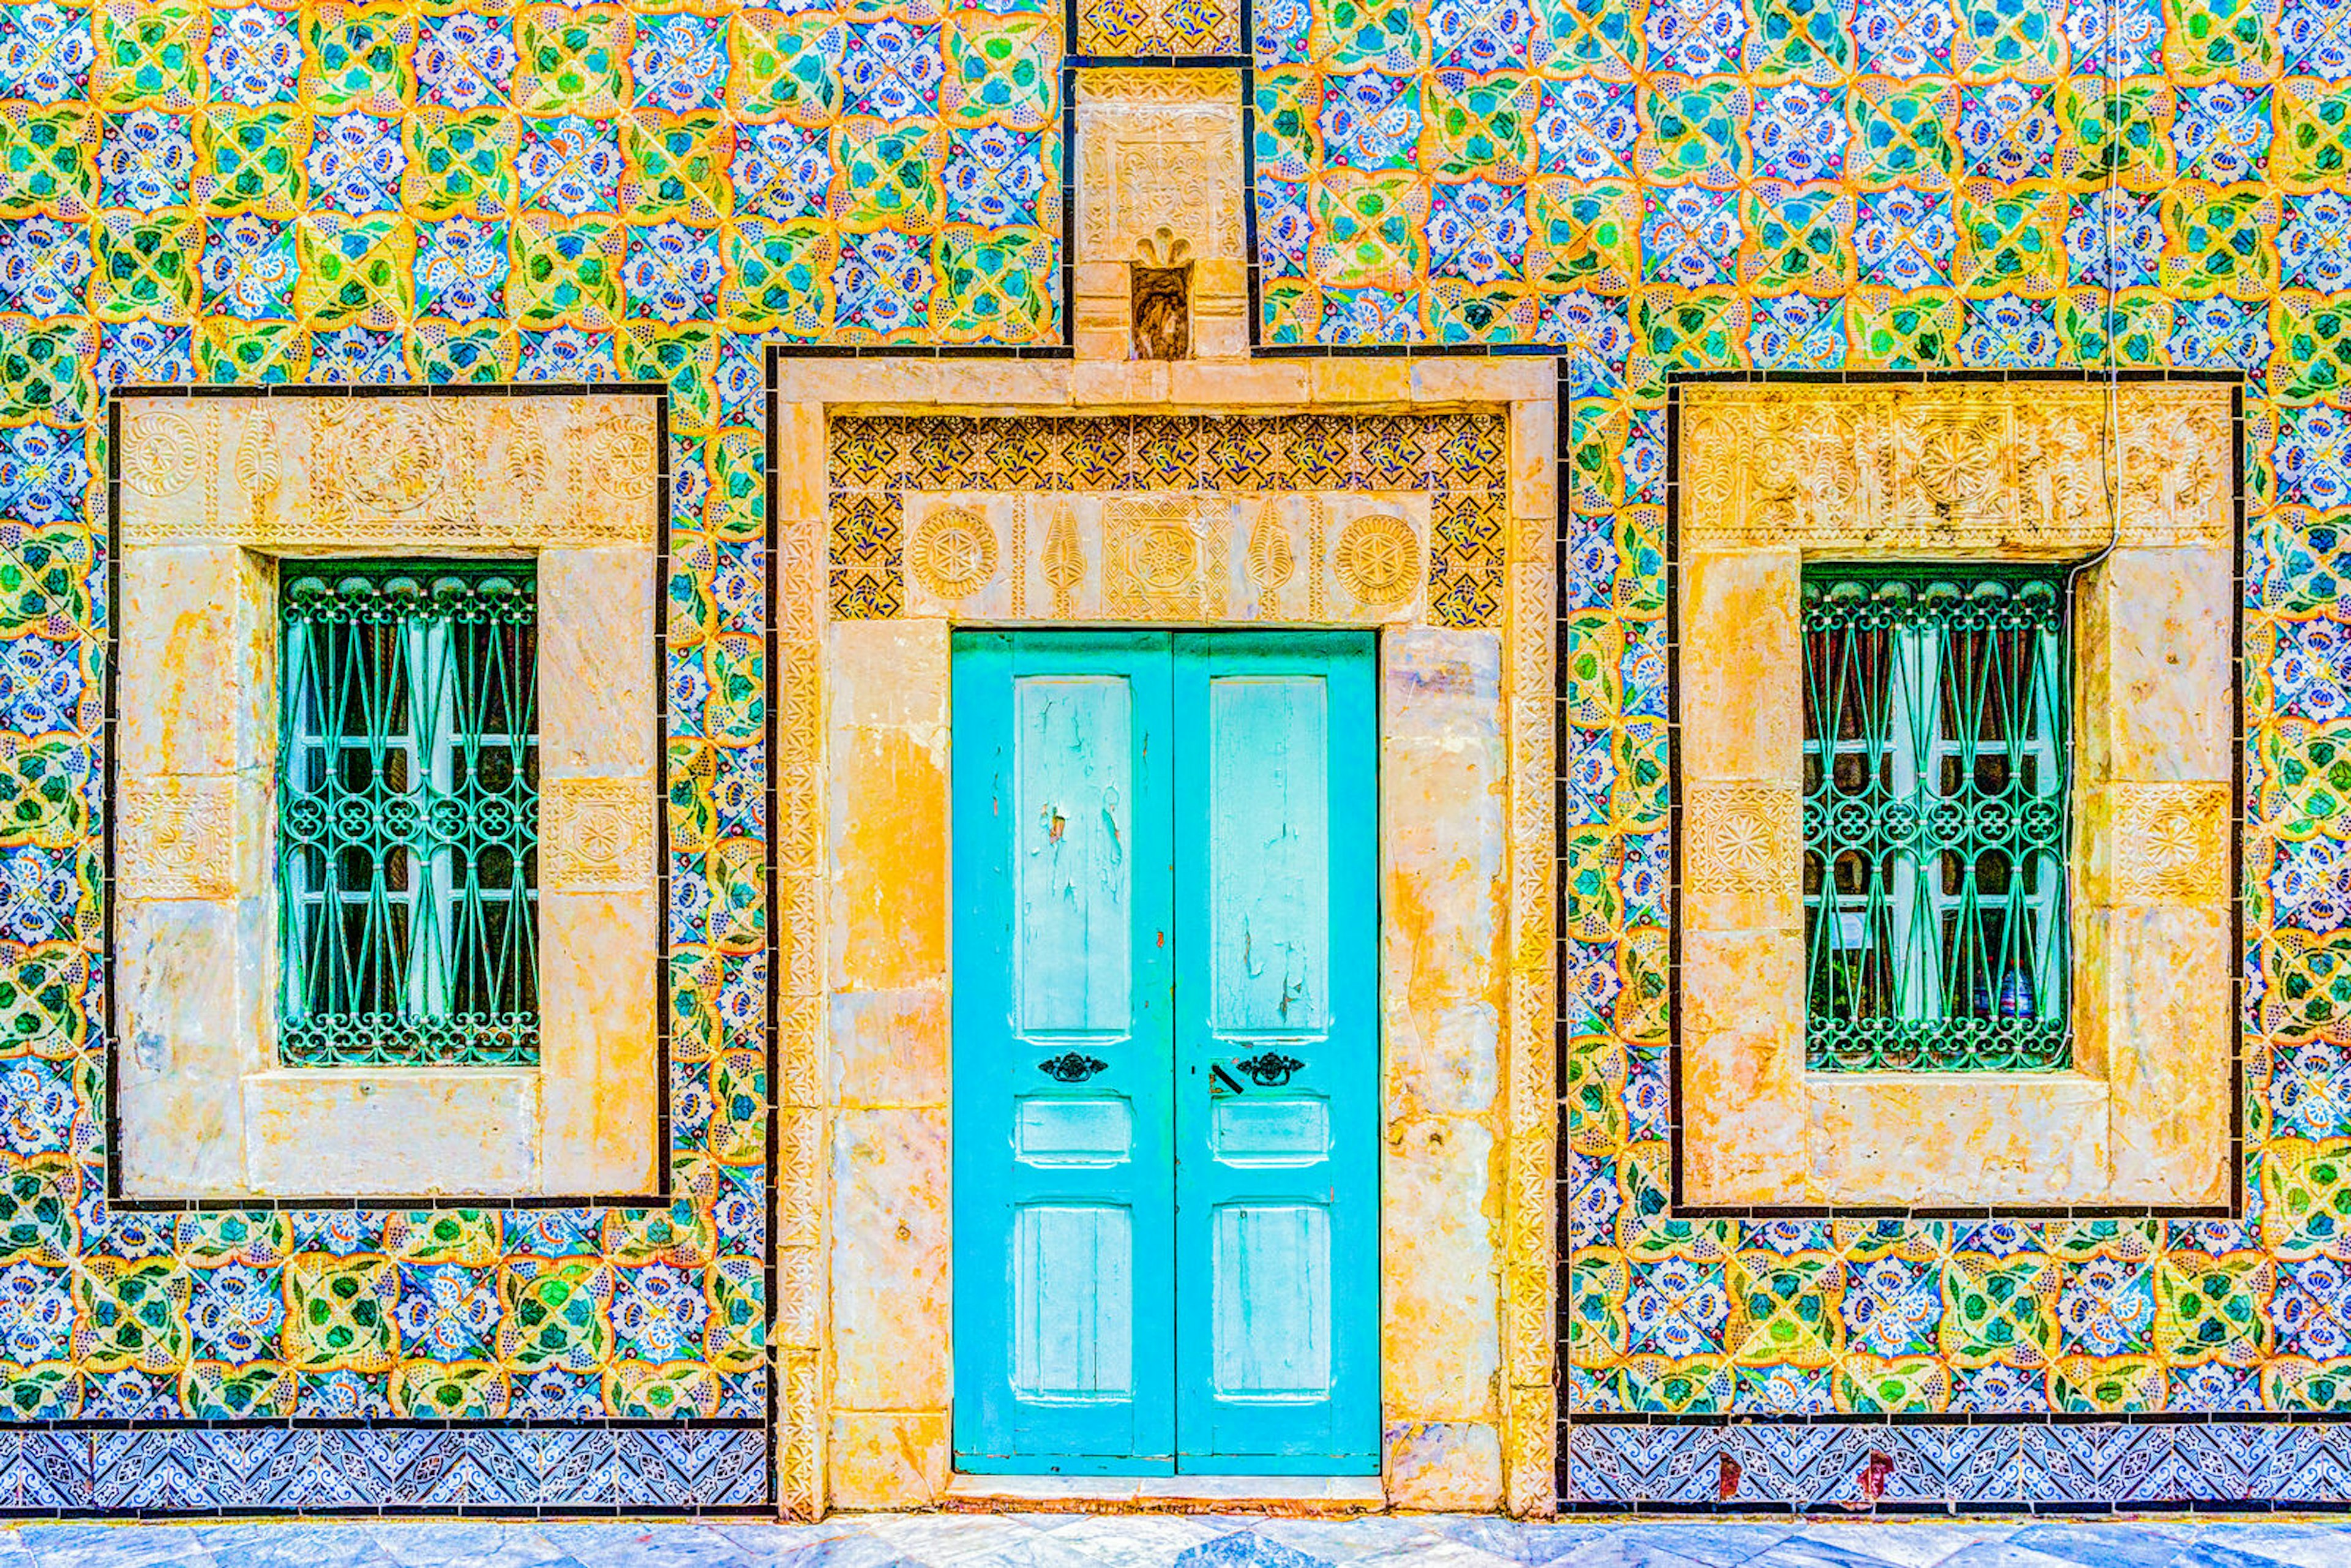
x: 2045, y: 469
x: 407, y: 475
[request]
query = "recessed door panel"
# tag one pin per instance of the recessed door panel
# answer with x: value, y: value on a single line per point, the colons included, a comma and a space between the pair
x: 1272, y: 1313
x: 1268, y: 854
x: 1072, y: 831
x: 1072, y: 1303
x: 1069, y: 1130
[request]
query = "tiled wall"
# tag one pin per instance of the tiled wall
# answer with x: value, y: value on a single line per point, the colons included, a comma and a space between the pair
x: 445, y: 192
x: 561, y: 190
x: 1786, y: 185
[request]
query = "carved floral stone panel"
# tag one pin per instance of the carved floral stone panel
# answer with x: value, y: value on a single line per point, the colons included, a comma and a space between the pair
x: 1306, y: 517
x: 427, y: 476
x: 1168, y: 555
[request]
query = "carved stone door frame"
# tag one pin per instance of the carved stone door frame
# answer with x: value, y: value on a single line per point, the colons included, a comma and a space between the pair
x: 899, y: 515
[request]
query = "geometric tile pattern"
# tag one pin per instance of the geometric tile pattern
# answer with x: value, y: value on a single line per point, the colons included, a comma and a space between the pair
x: 1158, y: 29
x: 209, y: 1468
x: 1717, y: 185
x: 436, y: 192
x: 246, y: 193
x: 1457, y: 458
x: 1940, y: 1464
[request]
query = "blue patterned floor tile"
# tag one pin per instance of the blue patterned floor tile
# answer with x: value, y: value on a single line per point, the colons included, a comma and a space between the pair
x: 2004, y: 1554
x: 1527, y: 1544
x: 1166, y: 1540
x: 1341, y: 1540
x: 1722, y: 1545
x: 1248, y: 1548
x: 289, y: 1544
x: 1907, y: 1543
x: 639, y: 1544
x: 2221, y: 1553
x: 1138, y: 1540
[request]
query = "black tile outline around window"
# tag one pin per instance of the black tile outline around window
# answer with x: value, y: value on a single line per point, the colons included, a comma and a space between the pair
x: 1680, y: 1208
x: 663, y: 1194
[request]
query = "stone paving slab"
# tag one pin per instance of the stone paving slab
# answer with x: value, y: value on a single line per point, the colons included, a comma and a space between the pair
x: 1065, y: 1541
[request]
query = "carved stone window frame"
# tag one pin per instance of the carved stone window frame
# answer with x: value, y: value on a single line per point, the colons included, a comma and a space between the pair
x: 208, y: 491
x: 1765, y: 473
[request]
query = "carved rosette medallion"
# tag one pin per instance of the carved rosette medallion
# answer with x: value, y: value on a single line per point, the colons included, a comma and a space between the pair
x: 162, y: 454
x: 955, y: 552
x: 596, y: 834
x: 2171, y: 841
x: 1743, y: 838
x: 1378, y: 560
x: 390, y: 459
x: 177, y: 836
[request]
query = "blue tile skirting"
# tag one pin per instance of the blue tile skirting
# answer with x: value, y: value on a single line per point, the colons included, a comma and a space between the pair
x: 2021, y: 1463
x: 1605, y: 1467
x: 205, y: 1470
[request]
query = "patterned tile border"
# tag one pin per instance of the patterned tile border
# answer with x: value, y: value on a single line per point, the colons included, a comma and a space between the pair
x: 384, y: 1469
x: 2302, y: 1463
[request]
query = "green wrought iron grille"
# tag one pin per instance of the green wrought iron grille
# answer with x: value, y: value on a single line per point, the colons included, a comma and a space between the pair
x: 408, y: 814
x: 1936, y: 763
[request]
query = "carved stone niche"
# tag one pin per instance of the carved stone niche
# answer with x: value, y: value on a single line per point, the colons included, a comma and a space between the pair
x: 1159, y: 193
x: 1161, y: 291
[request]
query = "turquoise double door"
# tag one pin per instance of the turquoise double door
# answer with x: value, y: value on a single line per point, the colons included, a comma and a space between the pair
x: 1166, y: 1053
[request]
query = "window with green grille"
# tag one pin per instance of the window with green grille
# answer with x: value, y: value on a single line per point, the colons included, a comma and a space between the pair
x: 408, y: 814
x: 1937, y: 762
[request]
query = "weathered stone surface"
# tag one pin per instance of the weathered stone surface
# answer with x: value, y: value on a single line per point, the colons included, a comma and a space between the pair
x: 596, y: 663
x: 1439, y: 1335
x: 891, y: 1273
x: 1444, y: 1465
x: 414, y: 1132
x: 889, y: 1459
x: 599, y: 956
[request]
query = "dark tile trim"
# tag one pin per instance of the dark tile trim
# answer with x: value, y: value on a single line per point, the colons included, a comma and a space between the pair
x: 1681, y: 1209
x: 663, y: 1173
